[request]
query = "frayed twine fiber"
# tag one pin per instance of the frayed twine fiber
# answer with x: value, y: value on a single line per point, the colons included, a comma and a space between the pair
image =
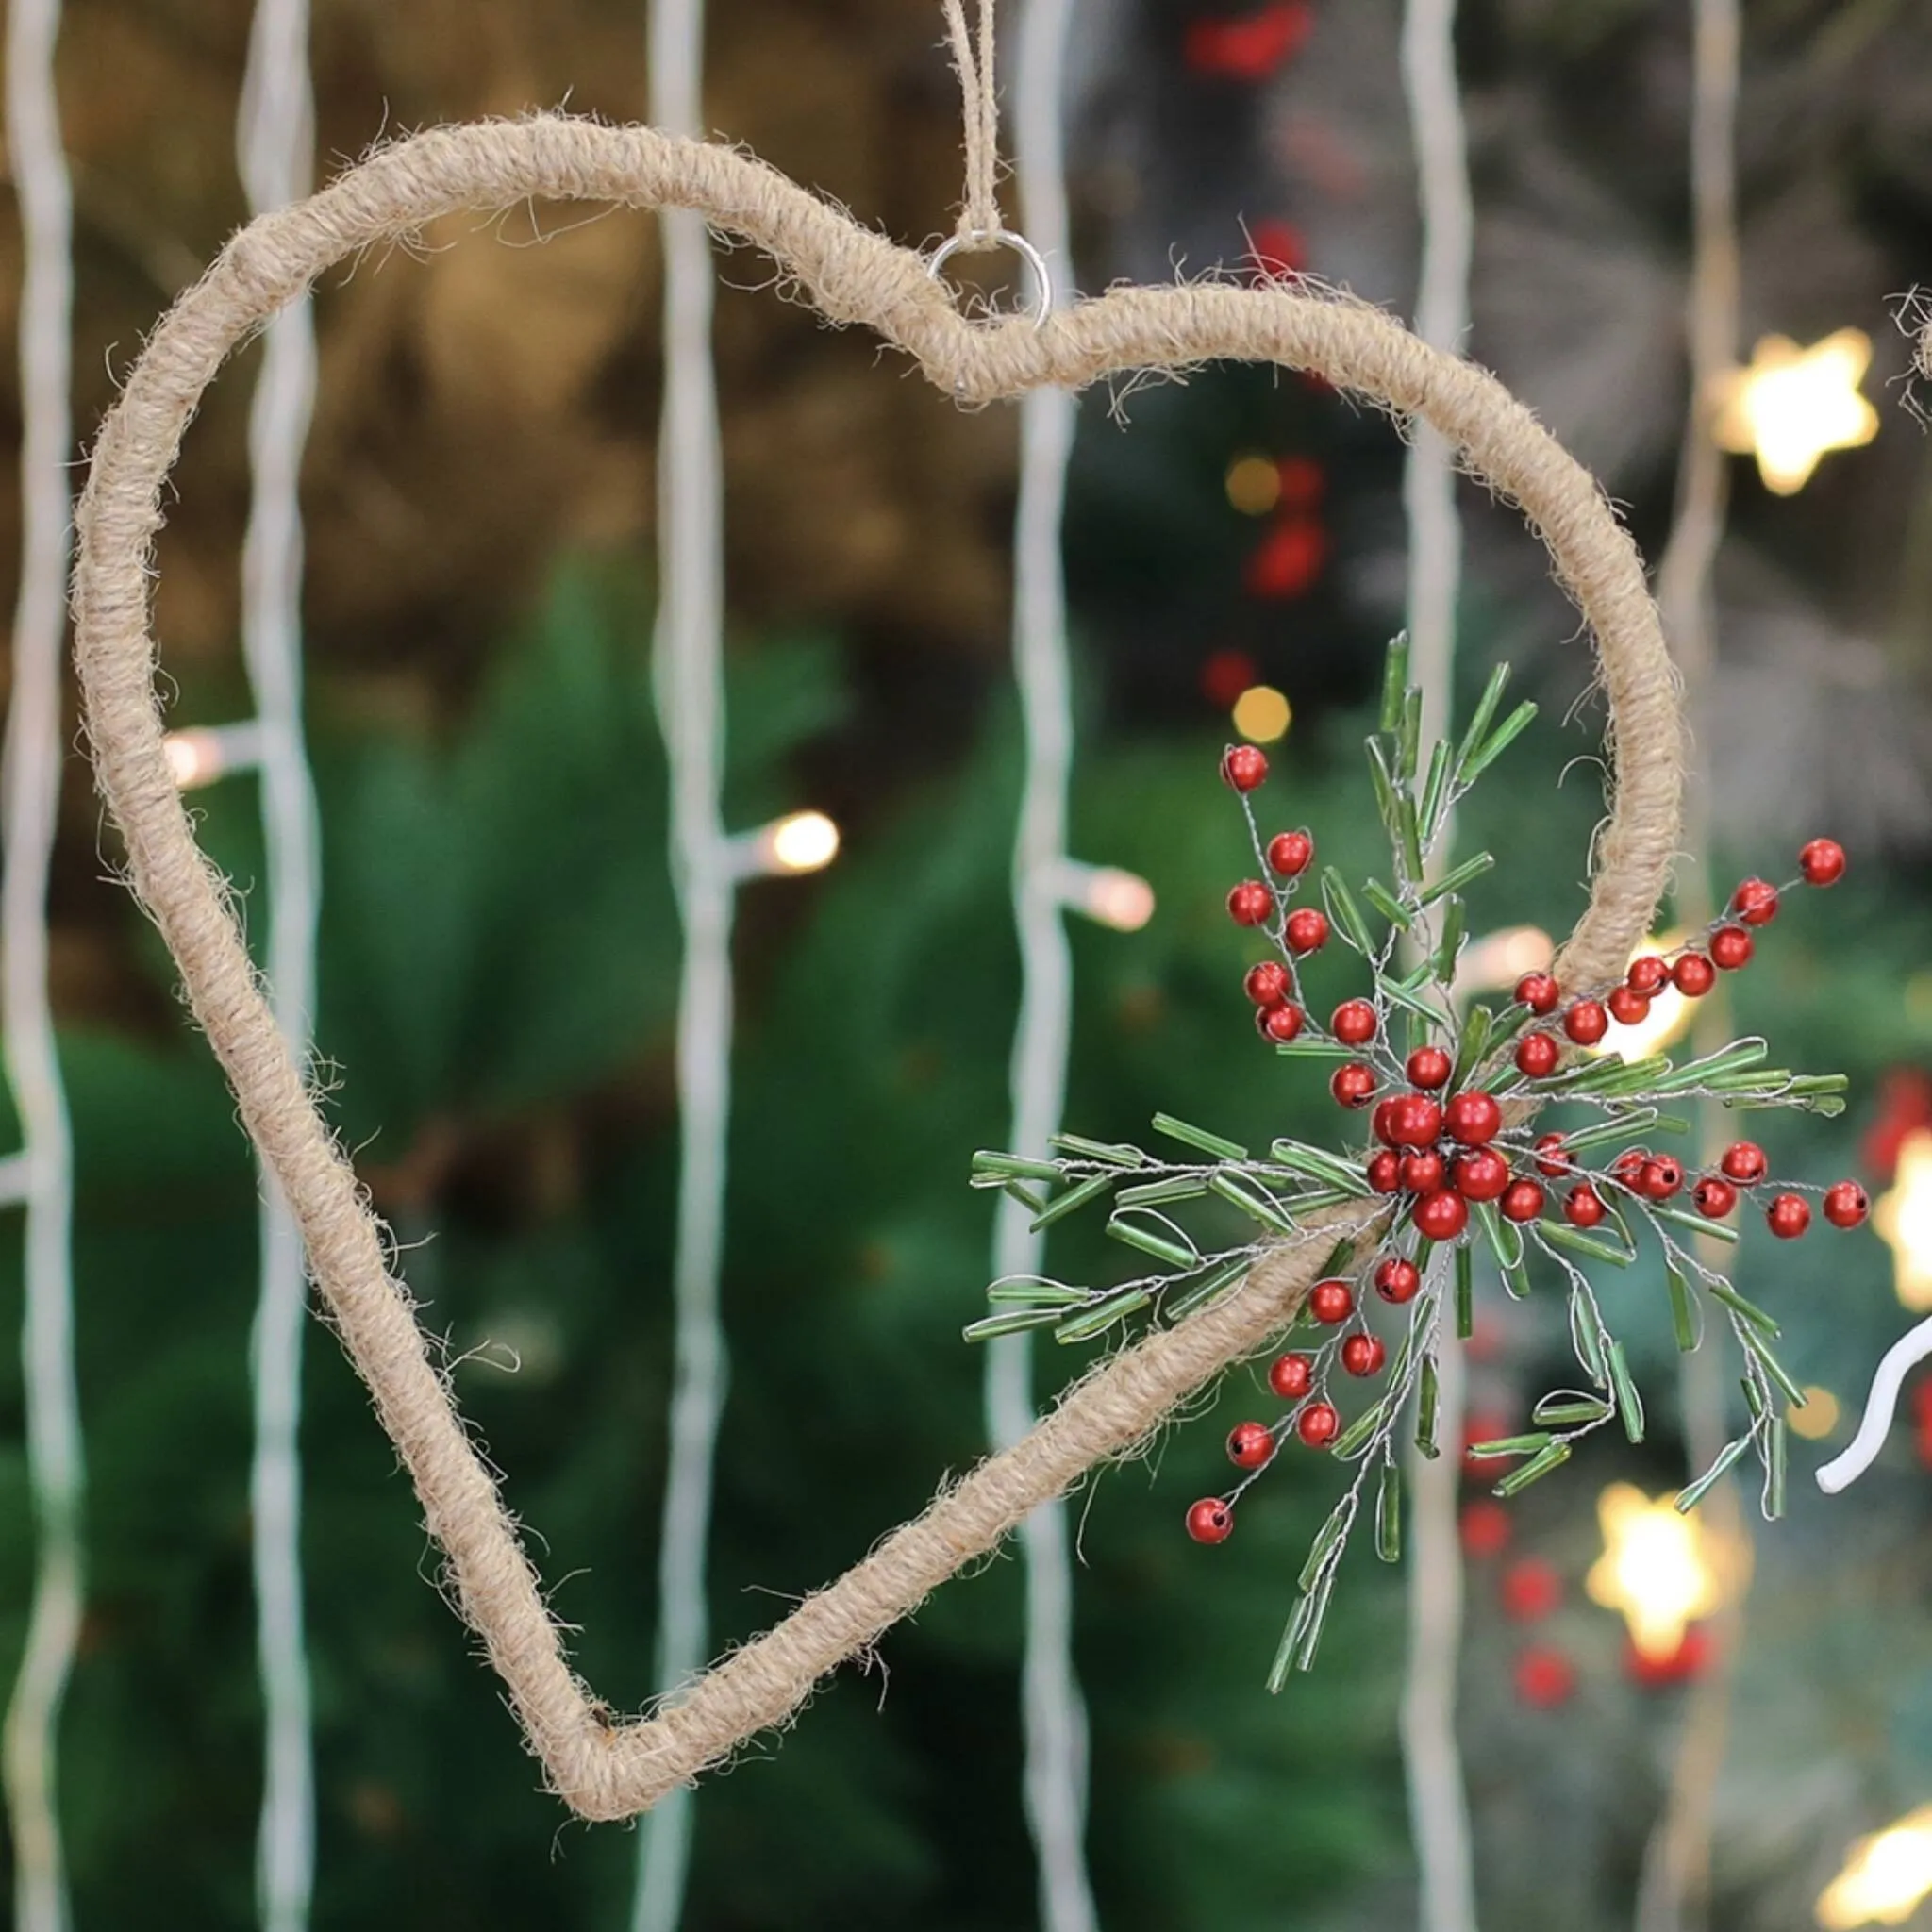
x: 612, y: 1771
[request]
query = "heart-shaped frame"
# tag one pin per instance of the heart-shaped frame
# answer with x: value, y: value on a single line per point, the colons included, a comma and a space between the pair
x: 604, y: 1768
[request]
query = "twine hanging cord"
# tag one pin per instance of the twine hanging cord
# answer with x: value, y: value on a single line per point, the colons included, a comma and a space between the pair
x: 605, y: 1771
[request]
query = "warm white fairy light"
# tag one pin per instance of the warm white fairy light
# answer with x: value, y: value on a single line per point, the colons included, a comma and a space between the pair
x: 1902, y: 1217
x: 688, y: 663
x: 276, y: 140
x: 1658, y: 1569
x: 1054, y: 1716
x: 1886, y: 1876
x: 1499, y: 960
x: 1792, y: 407
x: 1669, y: 1019
x: 1439, y: 1806
x: 202, y: 753
x: 30, y: 779
x: 1108, y: 894
x: 805, y: 842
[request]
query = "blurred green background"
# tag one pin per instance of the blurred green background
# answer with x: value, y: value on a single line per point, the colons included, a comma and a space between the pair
x: 499, y: 956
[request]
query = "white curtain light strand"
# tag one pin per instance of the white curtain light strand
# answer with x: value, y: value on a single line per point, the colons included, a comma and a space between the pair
x: 1054, y: 1718
x: 30, y: 797
x: 1439, y: 1805
x: 688, y: 652
x: 276, y: 144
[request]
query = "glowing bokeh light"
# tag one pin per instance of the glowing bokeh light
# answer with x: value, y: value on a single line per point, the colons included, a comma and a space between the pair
x: 1117, y: 898
x: 1793, y: 404
x: 1254, y: 485
x: 1657, y: 1568
x: 1261, y: 714
x: 1500, y: 958
x: 1886, y: 1876
x: 1902, y: 1218
x: 1668, y: 1020
x: 801, y: 841
x: 1819, y: 1416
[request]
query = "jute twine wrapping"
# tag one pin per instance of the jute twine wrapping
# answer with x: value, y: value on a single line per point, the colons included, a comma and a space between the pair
x: 601, y: 1768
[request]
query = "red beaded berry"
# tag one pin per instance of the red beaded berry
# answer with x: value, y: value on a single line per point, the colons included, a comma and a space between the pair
x: 1473, y: 1118
x: 1279, y: 1024
x: 1482, y: 1176
x: 1755, y: 901
x: 1731, y: 947
x: 1385, y: 1171
x: 1693, y: 976
x: 1317, y: 1425
x: 1628, y: 1008
x: 1429, y: 1066
x: 1628, y: 1165
x: 1289, y: 853
x: 1422, y: 1173
x: 1306, y: 931
x: 1441, y: 1217
x: 1523, y: 1201
x: 1743, y: 1161
x: 1353, y: 1024
x: 1845, y: 1203
x: 1363, y: 1355
x: 1243, y: 766
x: 1250, y: 904
x: 1291, y: 1376
x: 1268, y: 984
x: 1210, y: 1521
x: 1250, y: 1444
x: 1822, y: 862
x: 1414, y: 1120
x: 1648, y: 974
x: 1586, y: 1023
x: 1539, y: 992
x: 1659, y: 1179
x: 1713, y: 1198
x: 1331, y: 1302
x: 1550, y: 1161
x: 1397, y: 1279
x: 1583, y: 1207
x: 1352, y: 1084
x: 1789, y: 1215
x: 1538, y: 1055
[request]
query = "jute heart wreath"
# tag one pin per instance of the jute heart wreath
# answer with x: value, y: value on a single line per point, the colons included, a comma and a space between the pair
x: 605, y: 1768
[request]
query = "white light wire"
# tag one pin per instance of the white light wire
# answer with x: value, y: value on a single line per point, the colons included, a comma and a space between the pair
x: 1054, y: 1718
x: 1439, y: 1805
x: 688, y: 651
x: 276, y: 147
x: 30, y: 797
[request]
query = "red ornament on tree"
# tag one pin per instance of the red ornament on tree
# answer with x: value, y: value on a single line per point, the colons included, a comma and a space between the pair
x: 1743, y: 1161
x: 1429, y: 1066
x: 1422, y: 1174
x: 1397, y: 1279
x: 1307, y: 930
x: 1691, y: 1658
x: 1385, y: 1171
x: 1292, y: 1376
x: 1538, y: 1055
x: 1250, y: 1444
x: 1822, y: 862
x: 1414, y: 1120
x: 1474, y: 1118
x: 1788, y: 1216
x: 1290, y: 559
x: 1441, y: 1217
x: 1363, y: 1355
x: 1846, y: 1203
x: 1331, y: 1302
x: 1731, y: 947
x: 1523, y: 1201
x: 1539, y: 992
x: 1532, y: 1588
x: 1318, y: 1423
x: 1354, y: 1023
x: 1210, y: 1521
x: 1280, y: 1023
x: 1481, y: 1177
x: 1250, y: 904
x: 1289, y: 853
x: 1544, y: 1677
x: 1352, y: 1084
x: 1586, y: 1023
x: 1249, y: 47
x: 1485, y: 1526
x: 1268, y: 984
x: 1243, y: 766
x: 1693, y: 976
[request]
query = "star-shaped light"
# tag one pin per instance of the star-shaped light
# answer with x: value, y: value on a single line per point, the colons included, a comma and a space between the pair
x: 1792, y: 405
x: 1903, y: 1218
x: 1885, y: 1879
x: 1655, y: 1568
